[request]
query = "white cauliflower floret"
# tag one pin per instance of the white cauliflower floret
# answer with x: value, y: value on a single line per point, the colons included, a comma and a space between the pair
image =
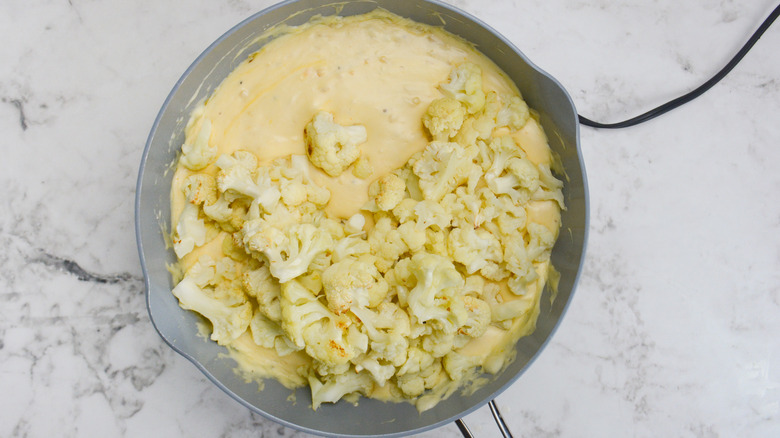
x: 388, y: 327
x: 442, y: 167
x: 236, y: 175
x: 414, y: 384
x: 228, y: 321
x: 437, y: 296
x: 443, y: 118
x: 550, y: 187
x: 200, y: 189
x: 387, y: 192
x: 386, y: 244
x: 465, y: 85
x: 311, y: 325
x: 514, y: 114
x: 475, y: 248
x: 334, y: 387
x: 290, y: 249
x: 520, y: 265
x: 459, y: 365
x: 202, y: 272
x: 198, y: 154
x: 355, y: 224
x: 362, y: 168
x: 353, y: 282
x: 330, y: 146
x: 354, y: 245
x: 260, y: 284
x: 190, y: 231
x: 431, y: 214
x: 479, y: 317
x: 269, y: 334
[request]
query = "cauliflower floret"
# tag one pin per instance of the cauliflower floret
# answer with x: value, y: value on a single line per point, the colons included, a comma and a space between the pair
x: 479, y: 317
x: 353, y: 245
x: 260, y: 284
x: 476, y: 249
x: 442, y: 167
x: 269, y: 334
x: 550, y: 187
x: 465, y: 85
x: 198, y: 155
x: 330, y: 146
x: 414, y: 384
x: 431, y: 215
x: 334, y: 387
x: 190, y: 231
x: 459, y: 366
x: 288, y: 249
x: 236, y: 175
x: 437, y: 296
x: 386, y: 243
x: 444, y: 118
x: 388, y: 327
x: 311, y: 325
x: 413, y: 236
x: 353, y: 282
x: 387, y: 192
x: 355, y: 224
x: 228, y: 321
x: 520, y: 181
x: 514, y: 114
x: 362, y: 168
x: 200, y: 189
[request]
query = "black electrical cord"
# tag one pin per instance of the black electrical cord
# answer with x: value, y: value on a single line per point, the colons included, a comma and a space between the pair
x: 685, y: 98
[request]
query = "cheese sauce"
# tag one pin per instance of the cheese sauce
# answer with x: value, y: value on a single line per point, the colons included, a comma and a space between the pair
x: 375, y: 70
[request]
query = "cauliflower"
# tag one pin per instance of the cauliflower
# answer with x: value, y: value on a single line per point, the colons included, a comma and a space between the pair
x: 330, y: 146
x: 260, y: 284
x: 479, y: 317
x: 465, y: 85
x: 355, y: 223
x: 444, y: 118
x: 387, y: 192
x: 387, y: 327
x: 442, y: 167
x: 198, y: 154
x: 190, y: 231
x: 431, y: 215
x: 288, y: 249
x: 362, y: 168
x: 353, y: 245
x: 353, y: 282
x: 334, y: 387
x: 311, y: 325
x: 476, y: 249
x: 200, y: 189
x: 550, y: 187
x: 228, y: 322
x: 269, y: 334
x: 386, y: 244
x: 437, y: 296
x: 458, y: 366
x: 514, y: 114
x: 236, y: 175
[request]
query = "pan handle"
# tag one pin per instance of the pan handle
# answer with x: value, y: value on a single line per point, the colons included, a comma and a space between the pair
x: 464, y: 430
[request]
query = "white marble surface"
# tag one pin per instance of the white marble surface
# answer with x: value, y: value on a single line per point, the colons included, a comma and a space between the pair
x: 673, y: 330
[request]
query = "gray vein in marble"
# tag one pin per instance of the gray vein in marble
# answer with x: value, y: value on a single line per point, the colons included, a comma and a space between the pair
x: 19, y: 105
x: 73, y: 268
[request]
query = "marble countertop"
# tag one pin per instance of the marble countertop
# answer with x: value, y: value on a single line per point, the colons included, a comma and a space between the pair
x: 673, y: 330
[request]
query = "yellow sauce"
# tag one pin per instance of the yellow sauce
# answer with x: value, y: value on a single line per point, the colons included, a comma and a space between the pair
x: 378, y: 71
